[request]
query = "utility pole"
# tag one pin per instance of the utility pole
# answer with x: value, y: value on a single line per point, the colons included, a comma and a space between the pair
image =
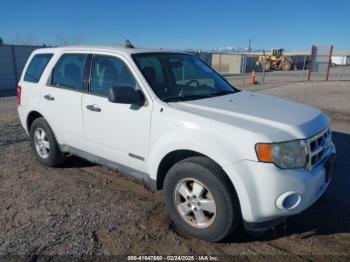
x: 250, y: 40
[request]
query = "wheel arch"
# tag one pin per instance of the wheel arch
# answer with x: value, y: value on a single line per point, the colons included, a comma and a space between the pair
x: 175, y: 156
x: 169, y: 160
x: 34, y: 114
x: 31, y: 117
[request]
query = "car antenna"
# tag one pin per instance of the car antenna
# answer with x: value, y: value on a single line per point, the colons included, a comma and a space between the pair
x: 128, y: 44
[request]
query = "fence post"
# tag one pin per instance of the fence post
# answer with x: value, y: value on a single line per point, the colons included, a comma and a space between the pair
x: 313, y: 50
x: 244, y: 68
x: 329, y: 62
x: 263, y: 80
x: 341, y: 68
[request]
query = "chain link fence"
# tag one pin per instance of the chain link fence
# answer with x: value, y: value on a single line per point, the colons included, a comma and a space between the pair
x: 237, y: 68
x: 12, y: 61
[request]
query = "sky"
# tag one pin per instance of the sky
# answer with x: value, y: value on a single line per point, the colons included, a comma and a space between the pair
x: 179, y: 24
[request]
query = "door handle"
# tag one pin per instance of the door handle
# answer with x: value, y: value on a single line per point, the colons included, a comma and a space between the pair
x: 48, y: 97
x: 93, y: 108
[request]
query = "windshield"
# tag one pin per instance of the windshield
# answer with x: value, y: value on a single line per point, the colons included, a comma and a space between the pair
x: 180, y: 77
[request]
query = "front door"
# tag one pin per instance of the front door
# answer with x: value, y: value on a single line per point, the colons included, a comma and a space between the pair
x: 117, y: 132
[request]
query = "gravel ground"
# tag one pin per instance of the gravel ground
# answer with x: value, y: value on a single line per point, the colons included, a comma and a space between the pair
x: 84, y: 209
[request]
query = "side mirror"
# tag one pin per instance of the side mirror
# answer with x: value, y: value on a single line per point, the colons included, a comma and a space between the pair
x: 125, y: 95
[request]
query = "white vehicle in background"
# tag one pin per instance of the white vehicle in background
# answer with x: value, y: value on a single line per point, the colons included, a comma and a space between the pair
x: 223, y: 158
x: 340, y: 60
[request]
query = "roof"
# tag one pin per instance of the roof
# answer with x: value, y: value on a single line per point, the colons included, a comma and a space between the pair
x: 125, y: 50
x: 101, y: 48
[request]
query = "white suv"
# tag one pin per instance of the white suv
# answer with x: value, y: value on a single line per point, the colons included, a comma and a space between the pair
x: 223, y: 158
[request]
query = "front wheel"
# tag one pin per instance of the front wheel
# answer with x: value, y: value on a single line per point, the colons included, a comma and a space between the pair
x: 201, y: 200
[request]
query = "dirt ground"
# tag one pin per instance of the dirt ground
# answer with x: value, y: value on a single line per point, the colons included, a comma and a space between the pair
x: 84, y: 209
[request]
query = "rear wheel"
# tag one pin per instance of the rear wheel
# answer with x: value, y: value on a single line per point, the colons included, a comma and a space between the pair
x: 201, y: 200
x: 44, y: 143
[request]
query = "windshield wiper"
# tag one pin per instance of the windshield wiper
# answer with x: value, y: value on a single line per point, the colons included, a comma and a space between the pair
x: 194, y: 97
x: 221, y: 93
x: 185, y: 98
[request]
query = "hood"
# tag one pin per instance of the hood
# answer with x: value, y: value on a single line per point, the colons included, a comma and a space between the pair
x: 274, y: 117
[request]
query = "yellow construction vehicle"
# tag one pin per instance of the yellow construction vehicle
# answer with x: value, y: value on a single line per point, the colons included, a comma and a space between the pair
x: 276, y: 61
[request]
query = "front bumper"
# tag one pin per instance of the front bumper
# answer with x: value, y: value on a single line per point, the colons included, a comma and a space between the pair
x: 269, y: 194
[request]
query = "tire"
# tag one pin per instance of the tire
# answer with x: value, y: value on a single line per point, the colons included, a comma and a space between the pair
x: 226, y: 217
x: 286, y: 66
x: 44, y: 143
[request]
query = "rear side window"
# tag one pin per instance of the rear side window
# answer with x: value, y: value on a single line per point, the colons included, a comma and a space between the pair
x: 69, y: 71
x: 36, y: 67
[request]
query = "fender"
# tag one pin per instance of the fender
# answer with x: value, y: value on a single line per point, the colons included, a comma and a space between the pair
x: 188, y: 131
x: 217, y: 148
x: 58, y: 138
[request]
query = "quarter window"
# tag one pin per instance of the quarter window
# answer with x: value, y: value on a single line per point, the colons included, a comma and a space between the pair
x: 36, y: 67
x: 69, y: 71
x: 109, y: 72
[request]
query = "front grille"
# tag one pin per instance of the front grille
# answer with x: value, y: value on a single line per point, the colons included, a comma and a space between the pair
x: 318, y: 146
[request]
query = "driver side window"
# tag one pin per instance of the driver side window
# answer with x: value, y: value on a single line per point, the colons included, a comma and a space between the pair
x: 109, y: 72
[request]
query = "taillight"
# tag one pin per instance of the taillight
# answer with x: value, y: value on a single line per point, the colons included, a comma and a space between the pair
x: 19, y: 92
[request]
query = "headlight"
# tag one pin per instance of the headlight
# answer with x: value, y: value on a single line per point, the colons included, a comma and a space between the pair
x: 292, y: 154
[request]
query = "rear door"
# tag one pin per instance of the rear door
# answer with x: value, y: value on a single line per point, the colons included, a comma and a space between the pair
x: 117, y: 132
x: 61, y: 98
